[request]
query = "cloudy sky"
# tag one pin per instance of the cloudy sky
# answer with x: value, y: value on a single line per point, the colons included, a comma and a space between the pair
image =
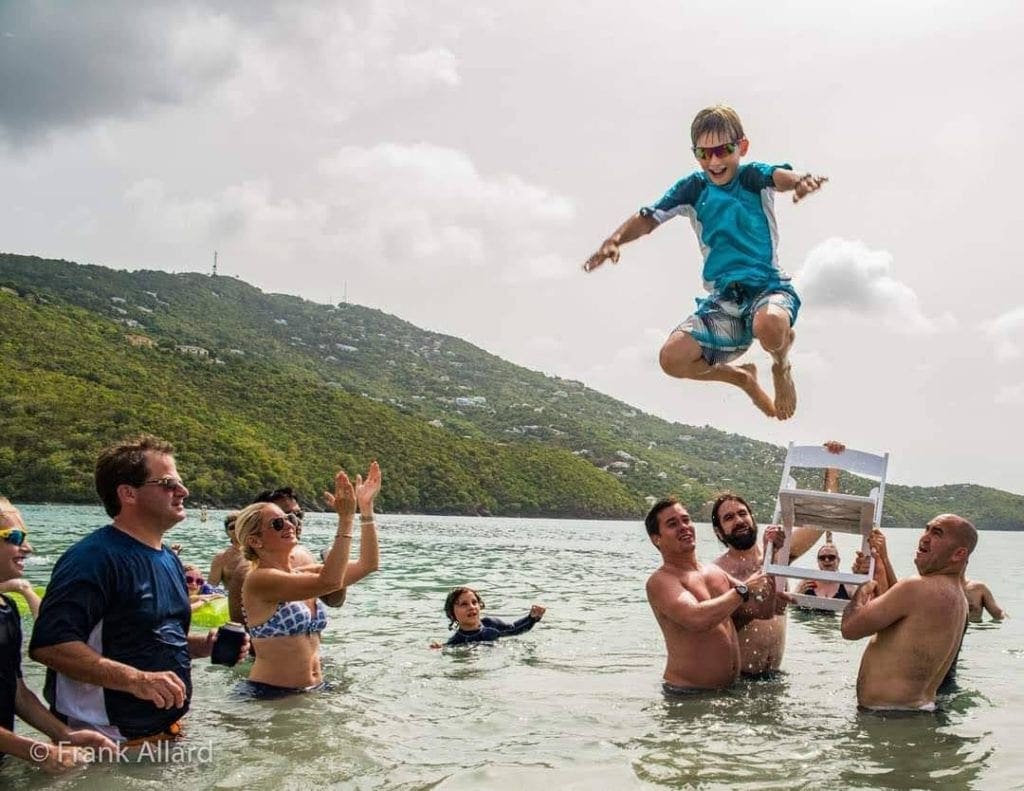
x: 455, y: 163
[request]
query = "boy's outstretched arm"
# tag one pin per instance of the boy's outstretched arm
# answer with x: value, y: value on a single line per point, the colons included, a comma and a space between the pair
x: 633, y: 228
x: 801, y: 184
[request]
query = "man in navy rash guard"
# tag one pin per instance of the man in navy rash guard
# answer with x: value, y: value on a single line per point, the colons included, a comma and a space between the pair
x: 113, y: 627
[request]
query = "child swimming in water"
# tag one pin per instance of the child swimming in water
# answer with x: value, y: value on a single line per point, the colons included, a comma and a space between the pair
x: 463, y: 606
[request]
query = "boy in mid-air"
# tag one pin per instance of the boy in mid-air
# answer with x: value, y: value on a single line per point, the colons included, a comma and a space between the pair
x: 731, y: 208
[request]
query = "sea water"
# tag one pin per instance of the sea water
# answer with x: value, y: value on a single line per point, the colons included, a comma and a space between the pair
x: 575, y: 703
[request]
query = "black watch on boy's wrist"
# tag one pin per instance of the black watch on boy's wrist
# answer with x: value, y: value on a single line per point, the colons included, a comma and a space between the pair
x: 743, y: 591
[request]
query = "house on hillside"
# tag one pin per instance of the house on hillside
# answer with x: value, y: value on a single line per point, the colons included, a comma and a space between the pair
x: 195, y: 351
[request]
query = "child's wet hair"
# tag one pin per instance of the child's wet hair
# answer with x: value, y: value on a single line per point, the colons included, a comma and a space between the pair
x: 449, y: 602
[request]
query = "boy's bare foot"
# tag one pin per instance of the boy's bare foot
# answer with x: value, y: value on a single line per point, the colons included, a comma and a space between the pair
x: 761, y: 399
x: 785, y: 391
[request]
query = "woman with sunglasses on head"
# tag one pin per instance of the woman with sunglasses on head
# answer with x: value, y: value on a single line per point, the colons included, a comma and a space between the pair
x: 282, y: 608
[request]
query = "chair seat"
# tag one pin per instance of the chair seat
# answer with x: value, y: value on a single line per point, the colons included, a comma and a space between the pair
x: 840, y: 513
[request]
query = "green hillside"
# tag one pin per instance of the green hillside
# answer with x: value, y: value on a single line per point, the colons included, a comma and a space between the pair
x: 280, y: 389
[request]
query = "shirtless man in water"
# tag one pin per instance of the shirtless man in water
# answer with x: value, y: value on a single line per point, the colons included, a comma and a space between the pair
x: 695, y: 605
x: 762, y: 642
x: 980, y: 598
x: 917, y: 624
x: 228, y: 568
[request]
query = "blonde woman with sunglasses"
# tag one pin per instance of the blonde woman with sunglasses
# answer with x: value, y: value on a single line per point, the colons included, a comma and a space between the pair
x: 282, y: 607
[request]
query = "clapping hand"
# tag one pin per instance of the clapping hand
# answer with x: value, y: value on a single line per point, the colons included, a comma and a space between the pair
x: 367, y: 490
x: 344, y: 498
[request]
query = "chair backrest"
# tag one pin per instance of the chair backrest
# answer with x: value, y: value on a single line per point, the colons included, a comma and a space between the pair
x: 856, y: 461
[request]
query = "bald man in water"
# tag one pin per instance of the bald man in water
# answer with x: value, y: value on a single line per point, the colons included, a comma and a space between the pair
x: 695, y: 604
x: 917, y: 624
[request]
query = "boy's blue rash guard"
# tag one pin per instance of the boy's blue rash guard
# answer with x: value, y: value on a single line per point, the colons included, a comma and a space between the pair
x: 492, y: 629
x: 735, y: 225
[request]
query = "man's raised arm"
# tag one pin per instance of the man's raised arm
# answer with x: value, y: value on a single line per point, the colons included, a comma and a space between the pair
x: 868, y: 613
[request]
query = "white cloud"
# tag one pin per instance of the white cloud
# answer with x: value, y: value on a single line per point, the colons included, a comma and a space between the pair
x: 1010, y: 394
x: 245, y: 212
x: 846, y: 275
x: 424, y: 204
x: 430, y: 66
x: 1006, y: 332
x: 408, y: 209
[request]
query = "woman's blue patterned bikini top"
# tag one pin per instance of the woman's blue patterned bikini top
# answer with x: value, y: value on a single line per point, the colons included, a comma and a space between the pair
x: 291, y: 618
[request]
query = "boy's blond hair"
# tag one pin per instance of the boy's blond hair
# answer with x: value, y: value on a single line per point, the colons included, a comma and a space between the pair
x: 719, y: 120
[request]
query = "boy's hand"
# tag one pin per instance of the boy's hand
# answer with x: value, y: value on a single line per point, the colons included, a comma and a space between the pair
x: 608, y: 250
x: 806, y: 185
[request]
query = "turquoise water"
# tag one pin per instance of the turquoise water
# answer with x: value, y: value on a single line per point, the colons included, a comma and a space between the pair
x: 575, y: 703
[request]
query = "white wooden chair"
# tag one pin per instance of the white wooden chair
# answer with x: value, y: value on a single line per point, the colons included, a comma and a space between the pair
x: 841, y: 513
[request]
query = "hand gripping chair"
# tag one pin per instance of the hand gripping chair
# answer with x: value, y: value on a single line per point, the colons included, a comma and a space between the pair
x: 841, y: 513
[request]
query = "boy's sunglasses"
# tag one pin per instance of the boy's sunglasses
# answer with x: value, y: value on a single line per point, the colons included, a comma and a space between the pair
x: 14, y: 535
x: 706, y: 152
x: 828, y: 558
x: 278, y: 521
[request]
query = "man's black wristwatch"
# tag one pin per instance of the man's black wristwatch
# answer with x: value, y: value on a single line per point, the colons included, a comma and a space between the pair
x: 743, y: 591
